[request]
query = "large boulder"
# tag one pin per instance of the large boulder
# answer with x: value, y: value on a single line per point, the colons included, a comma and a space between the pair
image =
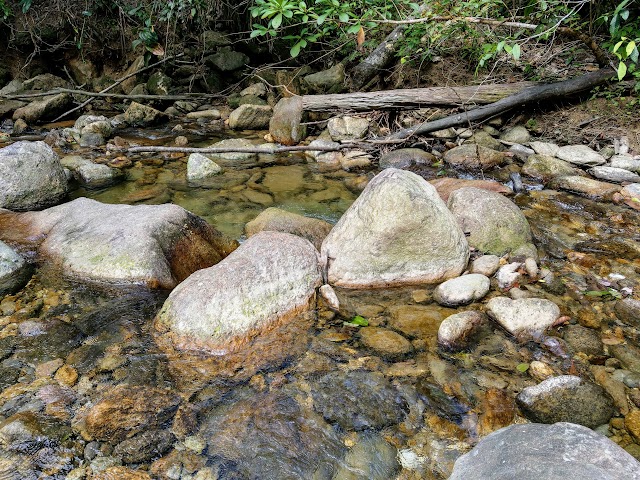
x: 44, y: 109
x: 14, y: 270
x: 264, y: 284
x: 278, y: 220
x: 156, y: 245
x: 285, y: 125
x: 397, y: 232
x: 546, y: 452
x: 493, y: 223
x: 250, y: 117
x: 31, y: 176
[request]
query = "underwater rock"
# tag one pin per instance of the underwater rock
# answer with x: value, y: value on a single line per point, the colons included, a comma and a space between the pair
x: 14, y: 270
x: 462, y: 290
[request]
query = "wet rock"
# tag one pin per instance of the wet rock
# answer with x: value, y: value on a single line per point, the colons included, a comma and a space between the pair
x: 628, y: 355
x: 582, y: 339
x: 403, y: 158
x: 234, y: 159
x: 144, y: 447
x: 509, y: 275
x: 493, y: 224
x: 446, y: 186
x: 270, y: 279
x: 455, y: 330
x: 627, y: 162
x: 120, y: 473
x: 632, y: 423
x: 354, y: 160
x: 138, y: 115
x: 31, y: 176
x: 567, y: 398
x: 327, y: 81
x: 61, y: 337
x: 612, y: 174
x: 293, y: 443
x: 472, y: 156
x: 521, y: 152
x: 348, y: 399
x: 44, y: 109
x: 628, y: 310
x: 278, y: 220
x: 126, y: 411
x: 227, y: 60
x: 347, y: 128
x: 524, y: 317
x: 416, y: 321
x: 397, y: 232
x: 385, y: 342
x: 546, y: 168
x: 462, y: 290
x: 328, y: 159
x: 89, y: 174
x: 517, y: 134
x: 631, y: 195
x: 371, y: 458
x: 212, y: 114
x: 250, y: 117
x: 580, y: 155
x: 159, y: 84
x: 613, y: 387
x: 587, y: 187
x: 14, y: 270
x: 201, y: 168
x: 284, y: 126
x: 156, y: 245
x: 546, y: 452
x: 485, y: 265
x: 544, y: 148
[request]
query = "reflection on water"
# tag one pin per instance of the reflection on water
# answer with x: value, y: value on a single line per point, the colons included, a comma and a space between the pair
x: 85, y: 389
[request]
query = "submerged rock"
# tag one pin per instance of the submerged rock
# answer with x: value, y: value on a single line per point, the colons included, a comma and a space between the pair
x: 200, y: 168
x: 156, y: 245
x: 567, y: 398
x: 31, y: 176
x: 397, y: 232
x: 14, y: 271
x: 371, y: 458
x: 523, y: 317
x: 263, y: 285
x: 546, y: 452
x: 278, y: 220
x: 493, y: 223
x: 455, y: 330
x: 90, y: 174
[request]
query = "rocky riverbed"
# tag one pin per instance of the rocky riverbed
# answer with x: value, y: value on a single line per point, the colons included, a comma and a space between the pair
x: 337, y: 316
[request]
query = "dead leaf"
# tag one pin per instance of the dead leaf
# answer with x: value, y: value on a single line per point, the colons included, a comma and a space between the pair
x: 360, y: 39
x: 157, y: 50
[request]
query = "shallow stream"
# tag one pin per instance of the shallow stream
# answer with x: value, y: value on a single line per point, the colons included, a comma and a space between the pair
x: 339, y: 411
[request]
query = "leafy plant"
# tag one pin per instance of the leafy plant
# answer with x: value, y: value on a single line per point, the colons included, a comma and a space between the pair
x: 357, y: 321
x: 606, y: 294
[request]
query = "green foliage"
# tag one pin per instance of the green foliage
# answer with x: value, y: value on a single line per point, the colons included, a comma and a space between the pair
x: 302, y: 24
x: 607, y: 294
x: 357, y: 321
x: 624, y: 31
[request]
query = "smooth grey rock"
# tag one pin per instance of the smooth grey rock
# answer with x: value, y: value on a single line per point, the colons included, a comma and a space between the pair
x: 330, y: 297
x: 257, y: 89
x: 234, y: 159
x: 523, y: 317
x: 462, y: 290
x: 250, y: 117
x: 285, y: 125
x: 405, y: 157
x: 43, y: 109
x: 585, y: 186
x: 31, y: 176
x: 613, y: 174
x: 485, y: 265
x: 327, y: 158
x: 567, y: 398
x: 626, y: 162
x: 397, y: 232
x: 277, y: 220
x: 517, y: 134
x: 628, y: 310
x: 546, y: 452
x: 347, y: 128
x: 508, y: 275
x: 211, y: 114
x: 580, y: 155
x: 265, y: 282
x: 201, y: 168
x: 455, y: 330
x: 371, y: 458
x: 14, y: 270
x: 492, y: 222
x: 89, y: 174
x: 521, y: 152
x: 155, y: 245
x: 138, y: 115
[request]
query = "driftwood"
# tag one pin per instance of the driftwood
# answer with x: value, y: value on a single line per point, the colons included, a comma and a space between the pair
x: 412, y: 97
x: 530, y: 95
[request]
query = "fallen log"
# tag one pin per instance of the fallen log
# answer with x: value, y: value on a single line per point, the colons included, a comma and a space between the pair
x: 381, y: 56
x: 412, y: 97
x: 530, y: 95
